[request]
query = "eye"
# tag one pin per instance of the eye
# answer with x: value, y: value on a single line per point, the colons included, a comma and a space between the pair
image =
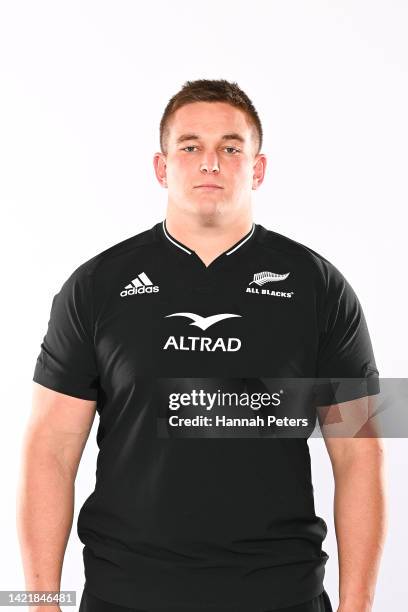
x: 234, y: 149
x: 189, y: 147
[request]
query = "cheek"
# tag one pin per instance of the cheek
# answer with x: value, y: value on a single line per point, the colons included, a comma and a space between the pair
x: 239, y: 171
x: 179, y: 168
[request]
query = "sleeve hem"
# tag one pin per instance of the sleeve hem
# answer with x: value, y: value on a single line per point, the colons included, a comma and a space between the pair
x: 66, y: 388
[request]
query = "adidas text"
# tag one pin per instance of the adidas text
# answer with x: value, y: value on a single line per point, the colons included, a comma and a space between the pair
x: 140, y: 284
x: 134, y: 290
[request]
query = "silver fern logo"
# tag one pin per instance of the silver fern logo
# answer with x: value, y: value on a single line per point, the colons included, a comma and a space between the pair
x: 260, y: 278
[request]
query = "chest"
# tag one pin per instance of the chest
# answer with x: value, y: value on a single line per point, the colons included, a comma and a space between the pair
x: 200, y: 325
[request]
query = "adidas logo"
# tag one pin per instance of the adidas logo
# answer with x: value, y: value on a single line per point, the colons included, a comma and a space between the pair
x: 140, y: 284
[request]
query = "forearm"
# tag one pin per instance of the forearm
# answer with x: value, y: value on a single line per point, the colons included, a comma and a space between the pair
x: 360, y: 523
x: 45, y: 508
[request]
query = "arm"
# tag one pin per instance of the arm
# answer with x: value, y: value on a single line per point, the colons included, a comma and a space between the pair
x: 359, y: 514
x: 55, y: 437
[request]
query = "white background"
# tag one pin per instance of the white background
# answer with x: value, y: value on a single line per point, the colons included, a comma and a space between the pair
x: 83, y: 86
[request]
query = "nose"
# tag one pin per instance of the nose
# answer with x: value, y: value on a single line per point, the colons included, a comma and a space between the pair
x: 209, y: 163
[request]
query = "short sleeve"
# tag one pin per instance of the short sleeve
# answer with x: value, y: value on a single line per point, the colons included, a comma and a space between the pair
x: 67, y: 361
x: 345, y: 353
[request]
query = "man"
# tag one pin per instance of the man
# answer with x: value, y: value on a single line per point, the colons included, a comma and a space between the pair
x: 204, y: 302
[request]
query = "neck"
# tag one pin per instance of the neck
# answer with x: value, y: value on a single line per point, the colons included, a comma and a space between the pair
x: 209, y: 236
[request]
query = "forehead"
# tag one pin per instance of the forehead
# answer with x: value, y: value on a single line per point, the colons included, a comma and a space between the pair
x: 209, y: 119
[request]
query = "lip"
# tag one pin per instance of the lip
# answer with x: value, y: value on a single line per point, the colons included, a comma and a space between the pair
x: 209, y: 186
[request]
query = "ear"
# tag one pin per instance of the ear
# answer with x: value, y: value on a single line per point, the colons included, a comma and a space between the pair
x: 259, y: 169
x: 160, y: 168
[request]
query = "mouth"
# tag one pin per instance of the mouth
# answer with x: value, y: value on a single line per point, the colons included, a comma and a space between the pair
x: 208, y: 186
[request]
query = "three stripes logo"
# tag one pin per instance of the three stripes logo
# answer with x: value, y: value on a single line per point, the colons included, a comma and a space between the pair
x: 140, y: 284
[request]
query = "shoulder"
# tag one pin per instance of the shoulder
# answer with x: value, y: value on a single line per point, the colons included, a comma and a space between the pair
x: 301, y: 256
x: 116, y: 256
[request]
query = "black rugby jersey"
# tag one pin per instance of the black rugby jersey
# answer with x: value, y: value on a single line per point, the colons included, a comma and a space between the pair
x: 189, y: 513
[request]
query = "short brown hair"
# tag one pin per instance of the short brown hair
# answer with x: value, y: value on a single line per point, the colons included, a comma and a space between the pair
x: 206, y: 90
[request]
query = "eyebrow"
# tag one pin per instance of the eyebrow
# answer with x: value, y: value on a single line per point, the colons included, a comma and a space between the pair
x: 233, y: 136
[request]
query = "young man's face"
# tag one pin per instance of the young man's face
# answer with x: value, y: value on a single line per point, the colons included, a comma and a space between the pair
x: 210, y: 143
